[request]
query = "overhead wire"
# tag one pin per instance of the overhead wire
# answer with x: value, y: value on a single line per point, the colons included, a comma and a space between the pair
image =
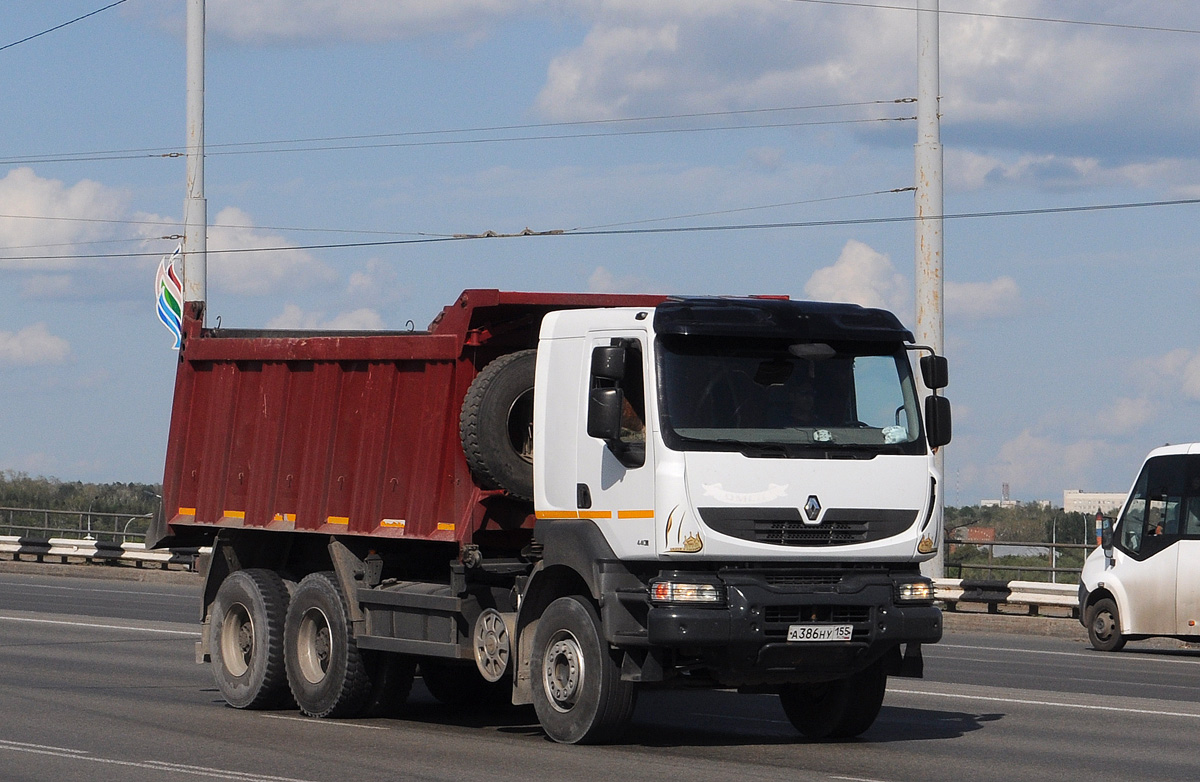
x: 376, y: 141
x: 60, y: 26
x: 1016, y: 17
x: 432, y: 239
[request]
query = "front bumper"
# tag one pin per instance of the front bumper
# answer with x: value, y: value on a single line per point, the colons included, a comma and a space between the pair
x: 745, y: 641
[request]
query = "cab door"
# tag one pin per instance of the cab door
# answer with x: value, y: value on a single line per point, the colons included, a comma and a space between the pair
x: 616, y: 476
x: 1147, y: 561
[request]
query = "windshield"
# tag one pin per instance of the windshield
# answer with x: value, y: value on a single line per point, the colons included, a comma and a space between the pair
x: 781, y: 397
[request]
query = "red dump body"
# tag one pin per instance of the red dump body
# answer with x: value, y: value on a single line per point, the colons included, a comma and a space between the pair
x: 345, y: 433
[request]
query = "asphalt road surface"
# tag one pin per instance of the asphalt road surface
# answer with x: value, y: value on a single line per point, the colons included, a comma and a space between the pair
x: 98, y: 682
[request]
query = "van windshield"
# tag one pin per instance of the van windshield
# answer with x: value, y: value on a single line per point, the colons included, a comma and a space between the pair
x: 785, y: 398
x: 1164, y: 505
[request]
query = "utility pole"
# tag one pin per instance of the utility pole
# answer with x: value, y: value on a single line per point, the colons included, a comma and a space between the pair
x: 195, y: 206
x: 929, y: 211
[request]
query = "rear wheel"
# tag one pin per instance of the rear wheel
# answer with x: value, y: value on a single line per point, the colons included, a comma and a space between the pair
x: 839, y: 709
x: 1104, y: 629
x: 246, y: 639
x: 327, y: 674
x: 577, y: 689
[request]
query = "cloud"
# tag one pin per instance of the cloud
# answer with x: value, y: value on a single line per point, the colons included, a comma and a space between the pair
x: 1126, y: 415
x: 293, y: 317
x: 1176, y: 373
x: 32, y: 345
x: 377, y: 283
x: 365, y: 20
x: 45, y: 216
x: 601, y: 280
x: 258, y: 273
x: 863, y: 276
x: 1042, y: 465
x: 999, y: 298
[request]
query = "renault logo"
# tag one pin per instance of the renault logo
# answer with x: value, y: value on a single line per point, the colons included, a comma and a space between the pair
x: 812, y: 508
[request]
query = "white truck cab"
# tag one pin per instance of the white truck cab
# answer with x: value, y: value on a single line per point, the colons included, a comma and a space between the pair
x: 1144, y: 579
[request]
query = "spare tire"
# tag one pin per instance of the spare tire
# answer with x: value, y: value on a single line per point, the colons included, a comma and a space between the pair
x: 496, y: 424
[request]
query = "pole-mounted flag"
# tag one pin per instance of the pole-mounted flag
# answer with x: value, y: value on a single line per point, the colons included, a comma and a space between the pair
x: 168, y: 291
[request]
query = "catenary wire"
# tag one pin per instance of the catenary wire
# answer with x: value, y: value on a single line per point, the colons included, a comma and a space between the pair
x: 634, y: 231
x: 59, y: 27
x: 1015, y: 17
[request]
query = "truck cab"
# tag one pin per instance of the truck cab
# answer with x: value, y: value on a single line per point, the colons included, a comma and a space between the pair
x: 1144, y: 578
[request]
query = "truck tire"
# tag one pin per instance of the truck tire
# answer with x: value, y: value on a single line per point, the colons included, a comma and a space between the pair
x: 327, y: 674
x: 839, y: 709
x: 246, y: 639
x: 1104, y: 626
x: 577, y: 689
x: 496, y: 424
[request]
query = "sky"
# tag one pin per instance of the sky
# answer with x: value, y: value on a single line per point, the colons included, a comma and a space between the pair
x: 769, y: 136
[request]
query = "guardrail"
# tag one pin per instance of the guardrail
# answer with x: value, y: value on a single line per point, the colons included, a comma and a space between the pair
x: 69, y: 549
x: 1032, y: 595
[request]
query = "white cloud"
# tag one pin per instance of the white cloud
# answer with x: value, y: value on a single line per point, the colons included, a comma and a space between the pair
x: 294, y: 317
x: 601, y: 280
x: 32, y: 345
x: 1126, y: 415
x: 364, y: 20
x: 45, y: 216
x: 998, y: 298
x: 258, y: 273
x: 863, y: 276
x: 377, y: 283
x: 1041, y: 465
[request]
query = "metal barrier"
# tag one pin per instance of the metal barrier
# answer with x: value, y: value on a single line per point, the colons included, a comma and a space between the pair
x: 66, y: 549
x: 1033, y: 595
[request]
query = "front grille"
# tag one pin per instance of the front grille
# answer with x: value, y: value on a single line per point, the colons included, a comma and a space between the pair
x: 786, y: 527
x: 812, y: 579
x: 816, y: 613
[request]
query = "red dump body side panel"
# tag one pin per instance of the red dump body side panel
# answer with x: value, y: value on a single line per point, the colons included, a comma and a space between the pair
x: 341, y: 433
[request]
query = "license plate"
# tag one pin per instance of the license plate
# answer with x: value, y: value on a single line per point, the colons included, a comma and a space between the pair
x: 820, y: 632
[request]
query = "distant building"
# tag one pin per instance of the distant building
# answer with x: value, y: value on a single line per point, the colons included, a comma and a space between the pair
x: 997, y: 503
x: 975, y: 534
x: 1076, y: 501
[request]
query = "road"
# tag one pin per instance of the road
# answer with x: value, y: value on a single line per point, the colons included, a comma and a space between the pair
x: 99, y: 683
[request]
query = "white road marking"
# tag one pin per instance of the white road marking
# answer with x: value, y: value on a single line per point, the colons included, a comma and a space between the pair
x: 1052, y: 704
x: 99, y: 626
x: 80, y: 755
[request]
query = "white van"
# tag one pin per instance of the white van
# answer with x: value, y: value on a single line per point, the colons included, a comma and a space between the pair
x: 1144, y: 580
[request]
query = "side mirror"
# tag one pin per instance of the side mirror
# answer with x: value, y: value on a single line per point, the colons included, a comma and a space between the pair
x: 937, y: 421
x: 608, y: 362
x: 935, y: 371
x: 604, y: 412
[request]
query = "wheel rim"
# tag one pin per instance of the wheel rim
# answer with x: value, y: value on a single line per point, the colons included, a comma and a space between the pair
x: 491, y: 645
x: 520, y: 426
x: 313, y: 645
x: 1103, y: 625
x: 237, y: 640
x: 563, y: 671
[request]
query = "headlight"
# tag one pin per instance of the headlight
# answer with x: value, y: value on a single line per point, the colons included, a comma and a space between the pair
x: 682, y: 592
x: 914, y: 592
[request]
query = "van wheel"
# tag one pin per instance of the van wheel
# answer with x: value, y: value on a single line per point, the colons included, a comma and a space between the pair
x: 577, y: 689
x: 839, y: 709
x: 325, y: 670
x: 496, y: 424
x: 1104, y: 629
x: 246, y: 639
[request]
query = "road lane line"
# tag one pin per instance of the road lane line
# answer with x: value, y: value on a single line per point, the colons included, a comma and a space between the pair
x: 1053, y: 704
x: 321, y: 721
x: 156, y: 765
x: 97, y: 625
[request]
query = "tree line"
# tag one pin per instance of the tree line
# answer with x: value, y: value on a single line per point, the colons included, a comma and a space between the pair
x: 19, y: 490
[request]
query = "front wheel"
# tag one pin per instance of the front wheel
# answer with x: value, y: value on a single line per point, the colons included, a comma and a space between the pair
x: 1104, y: 630
x: 577, y: 689
x: 839, y: 709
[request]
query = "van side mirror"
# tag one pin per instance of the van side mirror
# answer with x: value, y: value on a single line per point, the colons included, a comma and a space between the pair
x: 937, y: 421
x: 604, y: 411
x: 608, y: 362
x: 935, y: 371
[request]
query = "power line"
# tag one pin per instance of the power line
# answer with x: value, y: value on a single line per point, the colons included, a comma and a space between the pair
x: 59, y: 27
x: 326, y: 142
x: 1017, y: 17
x: 432, y: 239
